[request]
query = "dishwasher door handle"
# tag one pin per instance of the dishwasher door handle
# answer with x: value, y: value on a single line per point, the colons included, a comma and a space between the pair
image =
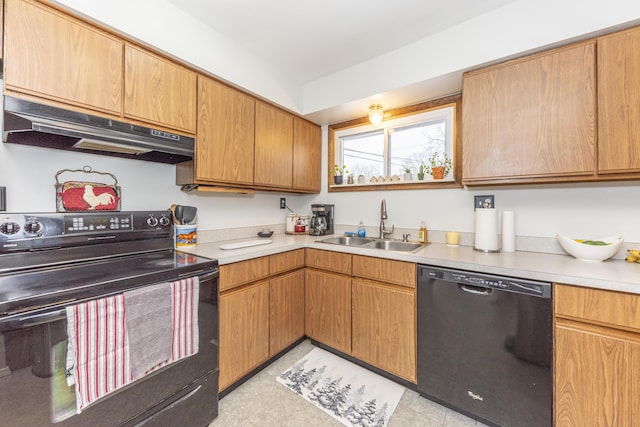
x: 476, y: 290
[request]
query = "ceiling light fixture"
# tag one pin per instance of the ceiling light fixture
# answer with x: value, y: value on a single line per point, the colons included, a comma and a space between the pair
x: 376, y: 114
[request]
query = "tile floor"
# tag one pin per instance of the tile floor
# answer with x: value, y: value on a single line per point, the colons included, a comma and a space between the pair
x: 262, y: 401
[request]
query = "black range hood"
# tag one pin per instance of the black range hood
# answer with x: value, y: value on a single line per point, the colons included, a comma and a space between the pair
x: 31, y: 123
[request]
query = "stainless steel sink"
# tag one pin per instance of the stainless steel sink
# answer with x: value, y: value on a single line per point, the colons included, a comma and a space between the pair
x: 392, y: 245
x: 386, y: 245
x: 347, y: 241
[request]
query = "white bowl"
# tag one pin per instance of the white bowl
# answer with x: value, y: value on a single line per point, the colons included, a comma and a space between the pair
x: 591, y: 252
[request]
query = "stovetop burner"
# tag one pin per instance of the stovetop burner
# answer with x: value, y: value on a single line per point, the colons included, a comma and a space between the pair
x: 46, y: 259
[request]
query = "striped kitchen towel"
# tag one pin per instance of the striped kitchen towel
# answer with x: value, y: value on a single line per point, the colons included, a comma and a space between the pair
x: 98, y: 348
x: 98, y: 352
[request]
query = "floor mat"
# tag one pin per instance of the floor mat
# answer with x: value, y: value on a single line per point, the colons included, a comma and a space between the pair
x: 349, y: 393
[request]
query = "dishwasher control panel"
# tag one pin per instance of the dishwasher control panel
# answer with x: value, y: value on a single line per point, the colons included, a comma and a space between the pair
x: 483, y: 280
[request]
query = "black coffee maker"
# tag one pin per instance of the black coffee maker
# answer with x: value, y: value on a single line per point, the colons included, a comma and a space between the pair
x: 322, y: 220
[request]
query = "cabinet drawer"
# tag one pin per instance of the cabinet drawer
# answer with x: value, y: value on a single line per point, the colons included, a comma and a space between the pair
x: 240, y: 273
x: 286, y: 261
x: 386, y: 270
x: 598, y: 306
x: 327, y: 260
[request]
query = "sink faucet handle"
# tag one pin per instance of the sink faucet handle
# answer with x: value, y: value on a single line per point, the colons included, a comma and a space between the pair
x: 405, y: 237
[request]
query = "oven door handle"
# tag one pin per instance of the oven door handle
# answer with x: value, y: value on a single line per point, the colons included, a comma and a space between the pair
x: 208, y: 276
x: 28, y: 320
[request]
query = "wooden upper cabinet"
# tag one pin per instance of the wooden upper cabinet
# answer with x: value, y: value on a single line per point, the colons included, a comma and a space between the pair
x: 225, y: 136
x: 619, y: 102
x: 159, y: 91
x: 51, y: 55
x: 307, y: 151
x: 532, y: 119
x: 273, y: 147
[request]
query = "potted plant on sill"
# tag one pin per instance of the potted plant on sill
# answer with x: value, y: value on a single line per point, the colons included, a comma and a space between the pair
x: 421, y: 171
x: 338, y: 173
x: 440, y: 165
x: 407, y: 174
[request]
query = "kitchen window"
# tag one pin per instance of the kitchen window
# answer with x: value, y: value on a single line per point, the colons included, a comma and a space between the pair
x: 406, y: 139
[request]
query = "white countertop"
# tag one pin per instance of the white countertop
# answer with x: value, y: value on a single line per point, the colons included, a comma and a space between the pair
x: 617, y: 275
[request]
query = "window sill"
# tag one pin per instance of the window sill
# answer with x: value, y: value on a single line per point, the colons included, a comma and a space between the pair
x: 402, y: 185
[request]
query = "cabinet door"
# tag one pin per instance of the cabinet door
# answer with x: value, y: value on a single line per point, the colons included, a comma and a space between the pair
x: 273, y: 147
x: 597, y: 382
x: 531, y: 119
x: 286, y: 314
x: 225, y: 136
x: 384, y: 327
x: 328, y: 309
x: 159, y: 91
x: 243, y: 272
x: 285, y: 261
x: 51, y: 55
x: 307, y: 151
x: 328, y: 260
x: 385, y: 270
x: 619, y: 102
x: 244, y: 331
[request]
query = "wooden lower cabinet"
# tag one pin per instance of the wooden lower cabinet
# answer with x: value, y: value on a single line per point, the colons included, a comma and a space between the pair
x: 286, y: 313
x: 596, y: 376
x: 597, y: 355
x: 384, y: 327
x: 328, y: 309
x: 244, y: 331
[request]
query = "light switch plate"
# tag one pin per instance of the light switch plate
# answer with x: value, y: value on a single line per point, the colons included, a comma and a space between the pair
x: 479, y: 202
x: 3, y: 198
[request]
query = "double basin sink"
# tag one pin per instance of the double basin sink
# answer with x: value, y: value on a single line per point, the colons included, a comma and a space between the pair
x: 363, y: 242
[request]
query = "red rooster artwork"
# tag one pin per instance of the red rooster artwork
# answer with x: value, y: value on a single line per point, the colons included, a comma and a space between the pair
x: 95, y: 200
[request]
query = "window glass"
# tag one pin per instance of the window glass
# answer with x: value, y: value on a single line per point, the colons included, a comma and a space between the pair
x: 411, y: 145
x: 401, y: 143
x: 364, y: 153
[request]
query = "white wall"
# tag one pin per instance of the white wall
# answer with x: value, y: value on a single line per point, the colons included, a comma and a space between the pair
x: 586, y: 209
x: 578, y: 209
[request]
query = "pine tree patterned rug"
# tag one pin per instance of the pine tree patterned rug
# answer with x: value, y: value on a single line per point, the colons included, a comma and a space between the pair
x: 351, y: 394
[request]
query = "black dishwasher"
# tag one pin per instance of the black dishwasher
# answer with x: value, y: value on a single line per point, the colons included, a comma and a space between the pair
x: 484, y: 345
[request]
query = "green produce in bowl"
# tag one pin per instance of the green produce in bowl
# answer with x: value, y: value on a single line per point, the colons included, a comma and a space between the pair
x: 595, y: 243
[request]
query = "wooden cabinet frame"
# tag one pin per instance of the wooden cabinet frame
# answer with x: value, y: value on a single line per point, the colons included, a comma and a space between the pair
x: 454, y: 100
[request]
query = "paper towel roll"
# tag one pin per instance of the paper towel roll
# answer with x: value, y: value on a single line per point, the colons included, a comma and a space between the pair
x: 508, y: 231
x: 486, y: 229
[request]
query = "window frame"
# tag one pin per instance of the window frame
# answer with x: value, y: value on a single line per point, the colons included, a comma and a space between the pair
x: 456, y: 153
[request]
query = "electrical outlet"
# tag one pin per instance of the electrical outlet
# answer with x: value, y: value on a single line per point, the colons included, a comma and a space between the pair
x: 283, y: 203
x: 3, y: 198
x: 480, y: 202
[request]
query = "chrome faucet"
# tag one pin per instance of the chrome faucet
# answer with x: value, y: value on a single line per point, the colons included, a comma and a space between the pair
x: 384, y: 233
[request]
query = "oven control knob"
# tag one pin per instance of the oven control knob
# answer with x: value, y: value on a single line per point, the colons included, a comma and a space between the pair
x: 164, y: 221
x: 152, y: 221
x: 34, y: 227
x: 9, y: 228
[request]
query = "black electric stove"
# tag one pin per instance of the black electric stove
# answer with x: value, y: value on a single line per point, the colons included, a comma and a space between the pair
x: 49, y: 261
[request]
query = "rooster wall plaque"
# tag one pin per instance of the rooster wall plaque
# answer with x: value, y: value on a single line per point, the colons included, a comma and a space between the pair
x: 87, y: 196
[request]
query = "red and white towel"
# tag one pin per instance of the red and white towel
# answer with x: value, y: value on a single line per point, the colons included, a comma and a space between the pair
x: 98, y: 351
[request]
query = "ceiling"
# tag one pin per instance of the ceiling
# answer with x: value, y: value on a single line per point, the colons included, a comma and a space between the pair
x: 307, y: 40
